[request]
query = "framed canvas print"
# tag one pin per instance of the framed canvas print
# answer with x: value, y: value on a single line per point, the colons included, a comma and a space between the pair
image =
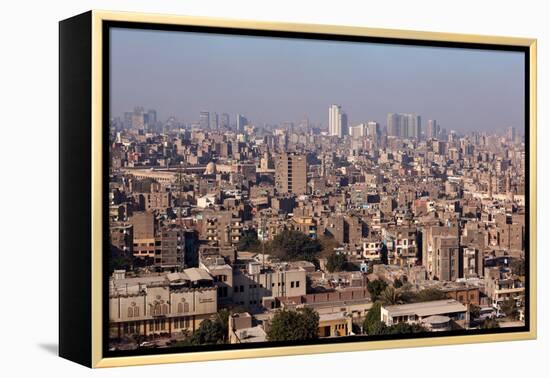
x: 235, y: 189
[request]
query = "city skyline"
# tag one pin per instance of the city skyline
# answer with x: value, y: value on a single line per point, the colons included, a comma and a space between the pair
x: 486, y: 85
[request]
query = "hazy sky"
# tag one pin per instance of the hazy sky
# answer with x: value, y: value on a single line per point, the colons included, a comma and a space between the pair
x: 273, y: 80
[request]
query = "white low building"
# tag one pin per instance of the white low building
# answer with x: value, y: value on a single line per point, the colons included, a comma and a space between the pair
x: 424, y: 312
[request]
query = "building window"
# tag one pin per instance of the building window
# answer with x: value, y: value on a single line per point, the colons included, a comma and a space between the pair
x: 297, y: 283
x: 292, y: 284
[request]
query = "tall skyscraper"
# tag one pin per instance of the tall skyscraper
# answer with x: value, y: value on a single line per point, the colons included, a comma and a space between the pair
x: 414, y: 126
x: 404, y: 125
x: 151, y: 119
x: 291, y: 173
x: 357, y: 131
x: 204, y: 120
x: 373, y: 130
x: 138, y: 120
x: 393, y: 123
x: 214, y: 121
x: 511, y: 134
x: 432, y: 130
x: 128, y: 120
x: 337, y: 121
x: 224, y: 121
x: 241, y: 123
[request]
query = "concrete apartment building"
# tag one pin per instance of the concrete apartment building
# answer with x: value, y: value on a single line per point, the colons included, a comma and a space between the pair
x: 345, y: 229
x: 255, y: 286
x: 446, y: 258
x: 223, y: 228
x: 160, y: 304
x: 143, y: 223
x: 402, y: 245
x: 291, y: 173
x: 122, y: 236
x: 223, y: 277
x: 441, y: 252
x: 170, y: 248
x: 355, y: 302
x: 501, y: 286
x: 472, y: 262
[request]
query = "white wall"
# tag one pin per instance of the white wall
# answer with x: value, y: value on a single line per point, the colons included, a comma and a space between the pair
x: 29, y: 53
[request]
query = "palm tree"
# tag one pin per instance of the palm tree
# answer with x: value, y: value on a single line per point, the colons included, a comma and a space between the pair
x: 391, y: 296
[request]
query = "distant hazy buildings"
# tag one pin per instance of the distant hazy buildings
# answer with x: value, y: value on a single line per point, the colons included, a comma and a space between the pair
x: 214, y: 121
x: 404, y: 125
x: 432, y: 130
x: 290, y: 173
x: 241, y: 123
x: 373, y: 129
x: 137, y: 118
x: 511, y: 134
x: 204, y: 120
x: 337, y: 121
x: 224, y: 121
x: 357, y: 131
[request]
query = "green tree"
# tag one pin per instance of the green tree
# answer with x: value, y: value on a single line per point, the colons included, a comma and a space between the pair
x: 518, y: 267
x: 372, y: 325
x: 294, y: 245
x: 209, y: 332
x: 390, y: 296
x: 328, y: 244
x: 404, y: 328
x: 509, y: 308
x: 397, y: 283
x: 336, y: 262
x: 424, y: 295
x: 355, y: 328
x: 375, y: 288
x: 288, y: 325
x: 384, y: 254
x: 212, y: 331
x: 490, y: 323
x: 474, y: 311
x: 249, y: 242
x: 377, y: 328
x: 120, y: 259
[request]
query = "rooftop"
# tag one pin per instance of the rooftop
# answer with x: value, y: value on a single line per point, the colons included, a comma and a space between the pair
x: 424, y: 309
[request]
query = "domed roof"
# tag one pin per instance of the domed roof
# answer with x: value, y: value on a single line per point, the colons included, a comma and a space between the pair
x: 210, y: 168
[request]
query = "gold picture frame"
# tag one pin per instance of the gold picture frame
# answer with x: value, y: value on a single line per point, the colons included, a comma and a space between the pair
x: 92, y: 332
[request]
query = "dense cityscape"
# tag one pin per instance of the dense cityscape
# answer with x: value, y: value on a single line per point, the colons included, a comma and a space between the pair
x: 224, y: 231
